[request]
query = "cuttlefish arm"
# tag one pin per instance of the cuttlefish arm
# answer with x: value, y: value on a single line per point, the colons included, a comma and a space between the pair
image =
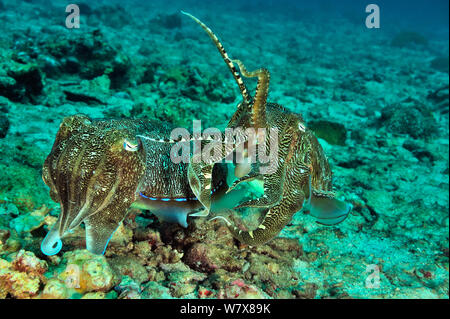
x: 52, y: 243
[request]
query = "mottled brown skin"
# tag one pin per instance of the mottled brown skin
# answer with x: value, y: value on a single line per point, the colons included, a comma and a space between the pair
x: 302, y: 180
x: 98, y: 168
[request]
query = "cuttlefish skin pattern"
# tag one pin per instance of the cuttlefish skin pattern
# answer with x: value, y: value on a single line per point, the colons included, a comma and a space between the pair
x: 302, y: 179
x: 98, y: 168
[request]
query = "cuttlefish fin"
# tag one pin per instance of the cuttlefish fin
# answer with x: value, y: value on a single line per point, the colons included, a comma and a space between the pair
x: 328, y: 211
x: 99, y: 232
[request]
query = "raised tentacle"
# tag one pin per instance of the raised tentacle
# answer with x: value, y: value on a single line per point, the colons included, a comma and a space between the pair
x: 262, y: 90
x: 223, y: 53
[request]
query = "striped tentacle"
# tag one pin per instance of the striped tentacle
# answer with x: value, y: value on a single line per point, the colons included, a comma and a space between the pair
x: 262, y: 91
x: 223, y: 53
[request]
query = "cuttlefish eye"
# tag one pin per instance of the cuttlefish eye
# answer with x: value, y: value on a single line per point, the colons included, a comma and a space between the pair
x: 131, y: 146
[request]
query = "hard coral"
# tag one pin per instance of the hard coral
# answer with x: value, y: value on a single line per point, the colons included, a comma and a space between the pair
x: 90, y: 56
x: 129, y: 266
x: 27, y: 262
x: 87, y: 272
x: 183, y: 280
x: 22, y: 83
x: 22, y: 277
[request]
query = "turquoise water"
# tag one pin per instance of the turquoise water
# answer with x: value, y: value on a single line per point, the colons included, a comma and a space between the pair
x: 376, y: 99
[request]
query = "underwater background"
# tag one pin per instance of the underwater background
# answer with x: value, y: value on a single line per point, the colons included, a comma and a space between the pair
x: 377, y: 99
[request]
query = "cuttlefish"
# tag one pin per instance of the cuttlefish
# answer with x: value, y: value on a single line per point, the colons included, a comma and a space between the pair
x: 97, y: 169
x: 299, y: 179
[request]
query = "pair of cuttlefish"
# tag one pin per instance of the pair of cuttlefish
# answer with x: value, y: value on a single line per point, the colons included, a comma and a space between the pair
x: 97, y: 169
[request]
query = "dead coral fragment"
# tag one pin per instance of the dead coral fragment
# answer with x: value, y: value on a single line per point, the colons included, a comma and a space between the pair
x: 22, y: 277
x: 27, y: 262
